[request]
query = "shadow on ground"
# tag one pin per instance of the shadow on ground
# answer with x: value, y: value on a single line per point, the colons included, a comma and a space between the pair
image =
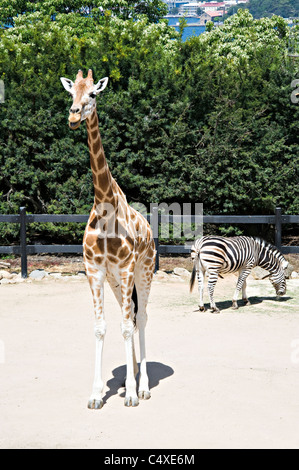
x: 226, y: 304
x: 156, y: 372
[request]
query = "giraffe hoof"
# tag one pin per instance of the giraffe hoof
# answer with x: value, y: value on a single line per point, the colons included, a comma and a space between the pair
x: 144, y: 395
x: 95, y: 404
x: 131, y: 401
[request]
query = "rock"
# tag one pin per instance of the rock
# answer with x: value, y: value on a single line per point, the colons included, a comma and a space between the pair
x: 55, y: 275
x: 259, y: 273
x: 7, y: 281
x: 288, y: 271
x: 38, y: 274
x: 3, y: 264
x: 183, y: 273
x: 6, y: 275
x: 72, y: 277
x: 176, y: 278
x: 161, y: 276
x: 294, y: 275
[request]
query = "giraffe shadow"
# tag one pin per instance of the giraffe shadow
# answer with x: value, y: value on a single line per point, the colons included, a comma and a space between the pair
x: 227, y: 304
x: 156, y: 372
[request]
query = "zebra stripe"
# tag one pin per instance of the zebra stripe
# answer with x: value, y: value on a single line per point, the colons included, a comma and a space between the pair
x: 219, y: 255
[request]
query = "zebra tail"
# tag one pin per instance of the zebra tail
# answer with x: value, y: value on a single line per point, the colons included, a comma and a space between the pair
x: 193, y: 274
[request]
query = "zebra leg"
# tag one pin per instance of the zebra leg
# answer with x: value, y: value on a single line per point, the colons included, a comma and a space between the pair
x: 241, y: 284
x: 201, y: 280
x: 244, y: 294
x: 213, y: 276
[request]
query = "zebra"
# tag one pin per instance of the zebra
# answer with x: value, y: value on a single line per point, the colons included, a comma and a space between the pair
x: 216, y: 255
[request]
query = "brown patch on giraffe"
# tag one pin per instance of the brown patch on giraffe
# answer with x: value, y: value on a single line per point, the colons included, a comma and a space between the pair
x: 92, y: 224
x: 130, y: 242
x: 113, y: 245
x: 150, y: 252
x: 88, y: 254
x: 101, y: 244
x: 148, y: 261
x: 94, y: 134
x: 101, y: 160
x: 119, y: 228
x: 90, y: 239
x: 96, y: 145
x: 94, y: 122
x: 112, y: 259
x: 103, y: 181
x: 123, y: 253
x: 94, y: 179
x: 92, y: 164
x: 99, y: 194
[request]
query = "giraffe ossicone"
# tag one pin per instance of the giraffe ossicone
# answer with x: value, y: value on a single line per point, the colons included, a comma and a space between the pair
x: 118, y: 245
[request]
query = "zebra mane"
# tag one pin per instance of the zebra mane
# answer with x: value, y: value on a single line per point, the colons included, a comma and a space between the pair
x: 271, y: 248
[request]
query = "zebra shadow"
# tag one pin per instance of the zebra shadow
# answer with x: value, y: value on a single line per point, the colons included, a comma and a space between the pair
x: 227, y: 304
x: 156, y: 372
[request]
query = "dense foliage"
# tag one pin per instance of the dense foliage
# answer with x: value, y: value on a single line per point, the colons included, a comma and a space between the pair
x: 207, y: 120
x: 260, y: 9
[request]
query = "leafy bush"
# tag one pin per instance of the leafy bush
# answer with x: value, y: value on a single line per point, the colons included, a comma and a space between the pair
x: 209, y: 120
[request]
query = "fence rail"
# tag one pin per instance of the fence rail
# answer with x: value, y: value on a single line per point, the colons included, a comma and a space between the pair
x: 155, y: 219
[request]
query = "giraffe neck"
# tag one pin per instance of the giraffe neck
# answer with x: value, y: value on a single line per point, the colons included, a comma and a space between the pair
x: 102, y: 179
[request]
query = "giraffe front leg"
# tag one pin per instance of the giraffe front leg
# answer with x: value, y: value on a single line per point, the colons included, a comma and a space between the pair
x: 96, y: 281
x: 128, y: 329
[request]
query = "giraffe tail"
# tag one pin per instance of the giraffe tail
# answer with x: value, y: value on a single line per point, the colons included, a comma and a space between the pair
x: 135, y: 301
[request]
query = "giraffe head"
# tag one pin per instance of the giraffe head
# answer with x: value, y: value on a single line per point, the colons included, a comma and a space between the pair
x: 83, y: 92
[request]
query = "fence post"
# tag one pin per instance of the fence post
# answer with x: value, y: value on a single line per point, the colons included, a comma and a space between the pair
x: 155, y: 227
x: 23, y: 244
x: 278, y: 227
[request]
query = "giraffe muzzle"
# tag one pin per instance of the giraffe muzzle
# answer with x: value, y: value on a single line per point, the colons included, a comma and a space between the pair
x: 74, y: 125
x: 74, y: 121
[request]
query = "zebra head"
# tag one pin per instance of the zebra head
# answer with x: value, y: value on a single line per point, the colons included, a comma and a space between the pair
x: 271, y: 259
x: 278, y: 278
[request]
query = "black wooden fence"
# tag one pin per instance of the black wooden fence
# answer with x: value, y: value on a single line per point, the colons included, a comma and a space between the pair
x: 23, y: 219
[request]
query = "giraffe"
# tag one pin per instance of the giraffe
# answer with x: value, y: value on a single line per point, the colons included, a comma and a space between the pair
x: 118, y: 245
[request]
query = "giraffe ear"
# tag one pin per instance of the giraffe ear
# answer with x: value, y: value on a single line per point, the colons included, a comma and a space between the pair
x: 67, y: 83
x: 100, y: 86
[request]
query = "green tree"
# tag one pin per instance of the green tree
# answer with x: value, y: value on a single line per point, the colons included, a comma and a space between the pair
x: 207, y: 120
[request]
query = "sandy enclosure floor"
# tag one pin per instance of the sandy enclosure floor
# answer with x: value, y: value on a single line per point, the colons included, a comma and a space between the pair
x: 227, y: 380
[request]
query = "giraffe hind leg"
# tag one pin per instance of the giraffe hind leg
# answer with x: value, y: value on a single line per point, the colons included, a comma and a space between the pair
x: 143, y: 284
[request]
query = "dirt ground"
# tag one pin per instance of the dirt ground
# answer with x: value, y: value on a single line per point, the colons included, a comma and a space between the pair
x: 227, y: 380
